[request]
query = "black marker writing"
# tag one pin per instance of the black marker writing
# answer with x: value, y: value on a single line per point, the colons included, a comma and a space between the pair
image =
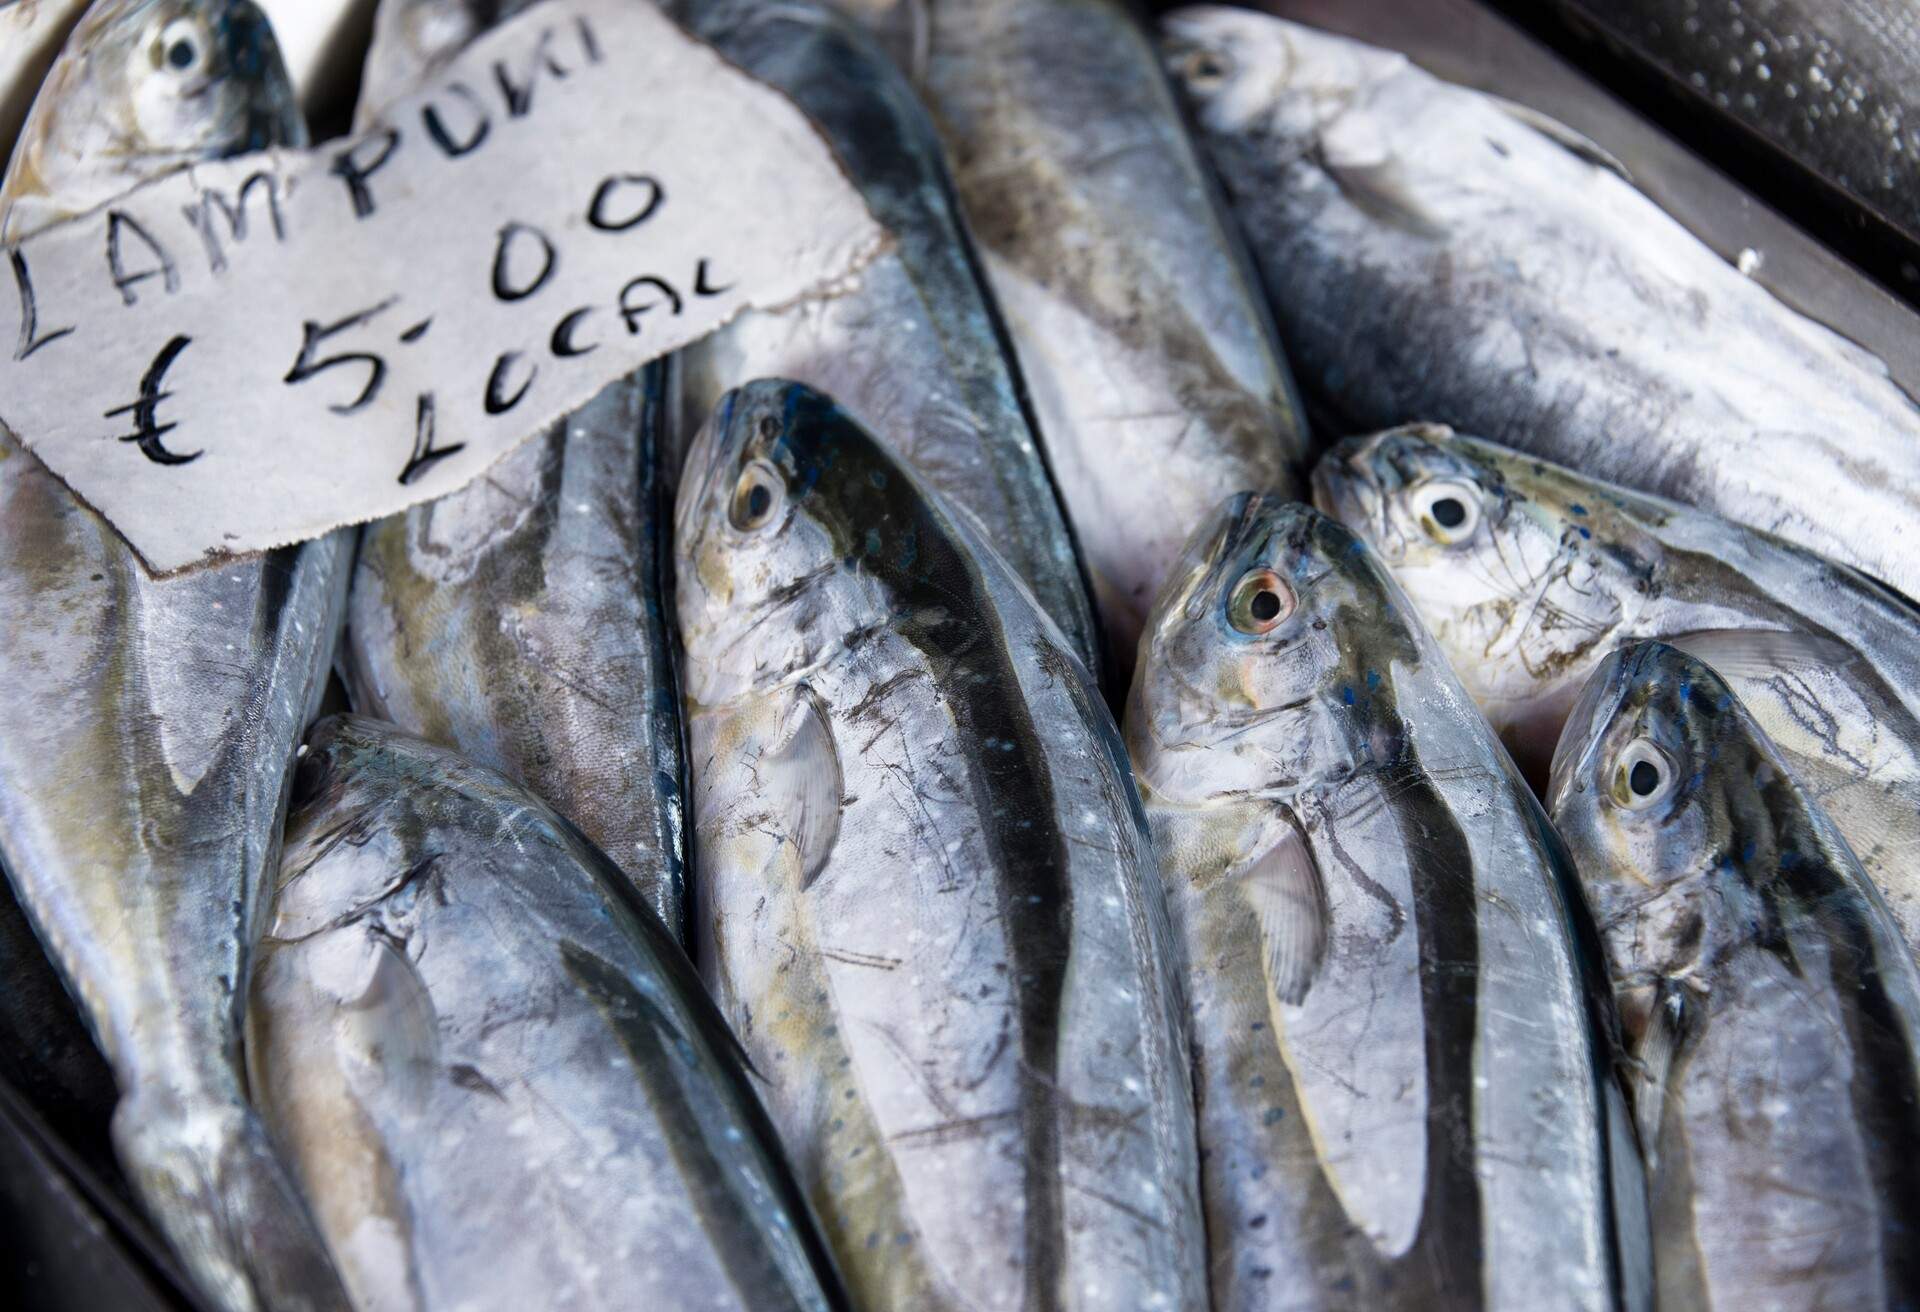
x: 435, y: 124
x: 31, y: 338
x: 497, y: 402
x: 200, y: 215
x: 515, y: 236
x: 562, y: 342
x: 348, y: 167
x: 147, y: 431
x: 313, y: 334
x: 425, y: 453
x: 602, y: 215
x: 119, y: 225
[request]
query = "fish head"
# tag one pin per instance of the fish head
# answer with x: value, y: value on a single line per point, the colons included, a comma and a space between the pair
x: 776, y: 496
x: 1523, y: 572
x: 1657, y: 790
x: 146, y: 86
x: 1244, y: 72
x: 414, y: 39
x: 1266, y: 655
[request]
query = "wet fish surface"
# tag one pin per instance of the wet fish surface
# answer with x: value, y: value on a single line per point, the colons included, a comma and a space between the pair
x: 1771, y: 1007
x: 500, y: 1079
x: 147, y: 726
x: 1433, y: 254
x: 917, y: 352
x: 520, y: 619
x: 1529, y: 575
x: 31, y: 33
x: 1829, y: 82
x: 1139, y: 327
x: 927, y: 898
x: 142, y: 88
x: 1401, y: 1039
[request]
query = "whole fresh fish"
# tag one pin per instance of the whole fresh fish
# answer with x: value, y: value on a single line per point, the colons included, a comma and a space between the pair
x: 1831, y: 83
x: 917, y: 351
x: 1400, y: 1035
x: 1770, y: 1006
x: 1151, y: 361
x: 1529, y: 574
x: 520, y: 619
x: 414, y: 39
x: 144, y: 87
x: 1435, y: 254
x: 500, y: 1080
x: 929, y: 906
x: 147, y: 727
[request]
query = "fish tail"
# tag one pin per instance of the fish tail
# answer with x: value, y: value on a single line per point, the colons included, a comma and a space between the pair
x: 212, y: 1181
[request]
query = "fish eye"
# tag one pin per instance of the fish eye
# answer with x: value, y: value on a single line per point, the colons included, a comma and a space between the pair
x: 1261, y: 600
x: 756, y: 498
x: 1642, y: 776
x: 182, y: 46
x: 1204, y: 69
x: 1448, y: 510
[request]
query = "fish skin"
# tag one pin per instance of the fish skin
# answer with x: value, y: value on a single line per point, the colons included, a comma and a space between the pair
x: 521, y: 618
x: 31, y: 33
x: 497, y: 1073
x: 1149, y: 354
x: 1401, y: 1036
x: 114, y: 111
x: 1829, y: 82
x: 1556, y: 569
x: 1432, y: 257
x: 927, y: 901
x: 1770, y: 1005
x: 147, y: 731
x: 917, y: 352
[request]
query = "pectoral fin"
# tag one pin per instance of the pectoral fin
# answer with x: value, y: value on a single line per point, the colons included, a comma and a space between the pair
x: 800, y: 773
x: 1563, y: 136
x: 1289, y: 903
x: 1357, y: 155
x: 1738, y: 654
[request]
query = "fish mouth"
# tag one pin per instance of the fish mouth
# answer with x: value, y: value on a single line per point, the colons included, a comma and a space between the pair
x: 1586, y: 723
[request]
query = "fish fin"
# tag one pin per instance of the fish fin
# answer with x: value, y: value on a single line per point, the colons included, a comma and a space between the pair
x: 1356, y: 154
x: 1561, y: 135
x: 1289, y: 902
x: 1660, y: 1042
x: 801, y: 767
x: 1743, y: 654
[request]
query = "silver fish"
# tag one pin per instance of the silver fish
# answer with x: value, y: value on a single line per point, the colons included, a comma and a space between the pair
x: 520, y: 619
x: 1771, y: 1008
x: 1529, y: 574
x: 501, y: 1082
x: 31, y: 33
x: 142, y: 88
x: 147, y: 726
x: 928, y: 902
x: 917, y: 352
x: 414, y: 39
x: 1140, y: 329
x: 1400, y: 1033
x: 1435, y: 254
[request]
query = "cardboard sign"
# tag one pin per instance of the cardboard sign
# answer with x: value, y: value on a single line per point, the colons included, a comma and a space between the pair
x: 254, y: 352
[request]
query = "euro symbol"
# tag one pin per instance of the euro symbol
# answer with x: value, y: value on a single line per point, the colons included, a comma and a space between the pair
x: 147, y: 430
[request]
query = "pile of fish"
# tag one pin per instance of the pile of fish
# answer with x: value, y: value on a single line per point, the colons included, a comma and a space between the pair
x: 947, y: 797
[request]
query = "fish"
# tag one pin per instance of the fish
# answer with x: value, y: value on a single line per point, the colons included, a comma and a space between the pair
x: 1436, y: 255
x: 1828, y: 83
x: 918, y: 351
x: 1529, y: 574
x: 148, y: 726
x: 928, y: 902
x: 414, y: 39
x: 521, y: 619
x: 1771, y: 1009
x: 141, y: 89
x: 1140, y: 329
x: 1403, y: 1047
x: 31, y: 33
x: 498, y: 1076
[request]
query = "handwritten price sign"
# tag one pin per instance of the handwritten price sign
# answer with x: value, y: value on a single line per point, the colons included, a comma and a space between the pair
x: 255, y: 352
